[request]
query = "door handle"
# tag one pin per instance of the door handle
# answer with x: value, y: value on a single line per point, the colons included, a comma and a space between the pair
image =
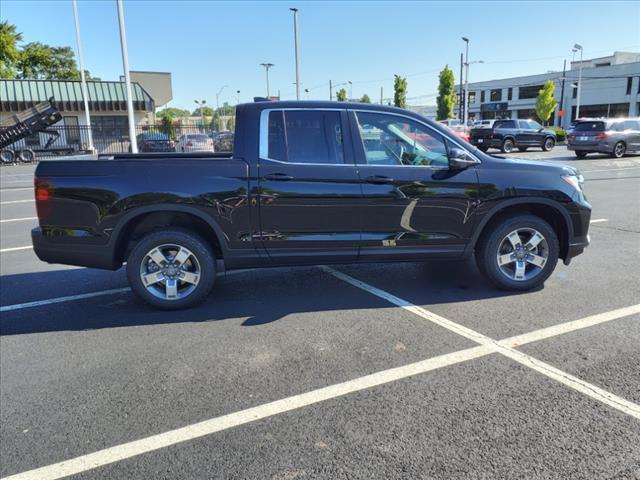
x: 379, y: 179
x: 278, y: 177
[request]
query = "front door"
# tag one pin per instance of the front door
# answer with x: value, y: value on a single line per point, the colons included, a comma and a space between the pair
x: 309, y: 187
x: 414, y: 205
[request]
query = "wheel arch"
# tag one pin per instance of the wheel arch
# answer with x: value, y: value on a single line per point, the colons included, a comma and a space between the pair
x: 548, y: 210
x: 143, y: 220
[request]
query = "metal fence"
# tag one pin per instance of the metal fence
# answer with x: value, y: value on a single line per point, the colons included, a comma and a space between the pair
x: 74, y: 140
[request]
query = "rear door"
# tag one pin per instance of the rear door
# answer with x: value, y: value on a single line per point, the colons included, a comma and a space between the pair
x: 525, y: 135
x: 414, y: 206
x: 632, y: 134
x: 308, y: 187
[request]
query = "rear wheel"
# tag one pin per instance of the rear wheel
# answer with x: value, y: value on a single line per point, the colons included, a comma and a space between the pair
x: 171, y: 269
x: 27, y: 155
x: 619, y: 150
x: 519, y: 253
x: 507, y: 146
x: 581, y: 154
x: 548, y: 144
x: 7, y: 156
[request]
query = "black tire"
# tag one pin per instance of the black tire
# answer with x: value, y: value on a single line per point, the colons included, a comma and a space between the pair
x: 483, y: 149
x: 7, y: 157
x: 507, y: 146
x: 619, y: 150
x: 490, y: 243
x: 548, y: 144
x: 581, y: 154
x: 204, y: 259
x: 26, y: 156
x: 523, y: 149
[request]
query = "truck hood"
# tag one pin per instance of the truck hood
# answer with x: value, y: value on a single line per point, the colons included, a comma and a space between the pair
x: 532, y: 165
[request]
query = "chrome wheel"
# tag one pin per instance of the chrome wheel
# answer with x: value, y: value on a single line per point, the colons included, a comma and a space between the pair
x: 170, y: 272
x: 522, y: 254
x: 549, y: 144
x: 619, y: 150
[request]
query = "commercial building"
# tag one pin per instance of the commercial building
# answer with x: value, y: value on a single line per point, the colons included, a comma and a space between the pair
x: 610, y: 87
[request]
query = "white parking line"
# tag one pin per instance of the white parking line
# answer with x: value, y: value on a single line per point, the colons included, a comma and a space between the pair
x: 18, y: 219
x: 15, y: 189
x: 208, y: 427
x: 15, y: 249
x: 17, y: 201
x: 610, y: 169
x: 51, y: 301
x: 599, y: 220
x: 581, y: 386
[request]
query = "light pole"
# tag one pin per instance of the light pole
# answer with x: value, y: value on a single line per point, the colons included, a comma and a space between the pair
x: 295, y: 35
x: 466, y: 78
x: 306, y: 90
x: 267, y: 66
x: 85, y: 95
x: 578, y: 47
x: 201, y: 104
x: 127, y: 79
x: 350, y: 90
x: 218, y: 97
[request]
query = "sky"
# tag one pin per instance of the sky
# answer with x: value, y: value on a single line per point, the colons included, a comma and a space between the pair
x: 208, y: 45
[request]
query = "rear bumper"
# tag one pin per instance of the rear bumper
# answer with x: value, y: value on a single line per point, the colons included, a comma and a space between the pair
x: 603, y: 148
x: 60, y: 250
x: 486, y: 142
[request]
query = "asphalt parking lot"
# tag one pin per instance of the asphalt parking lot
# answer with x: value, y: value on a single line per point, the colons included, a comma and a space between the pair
x: 360, y: 371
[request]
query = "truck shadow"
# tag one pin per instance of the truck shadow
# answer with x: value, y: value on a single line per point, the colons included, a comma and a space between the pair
x: 247, y: 298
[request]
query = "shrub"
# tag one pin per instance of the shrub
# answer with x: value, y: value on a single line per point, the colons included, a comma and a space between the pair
x: 561, y: 134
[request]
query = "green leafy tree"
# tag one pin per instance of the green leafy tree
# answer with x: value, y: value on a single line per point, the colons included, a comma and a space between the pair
x: 173, y: 112
x: 208, y: 111
x: 231, y: 123
x: 217, y: 122
x: 9, y: 52
x: 226, y: 110
x: 168, y: 127
x: 545, y: 102
x: 365, y: 99
x: 446, y: 94
x: 41, y: 61
x: 400, y: 91
x: 341, y: 96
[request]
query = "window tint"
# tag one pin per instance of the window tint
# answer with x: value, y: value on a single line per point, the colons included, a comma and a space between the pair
x: 391, y: 140
x: 589, y: 127
x: 305, y: 136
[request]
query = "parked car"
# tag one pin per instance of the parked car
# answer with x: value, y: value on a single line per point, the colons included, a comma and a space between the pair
x: 616, y: 137
x: 223, y: 141
x: 509, y: 134
x: 297, y: 190
x: 483, y: 123
x: 454, y: 124
x: 460, y: 134
x: 154, y: 142
x: 195, y: 142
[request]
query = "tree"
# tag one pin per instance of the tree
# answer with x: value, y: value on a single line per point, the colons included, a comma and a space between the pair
x: 341, y: 96
x: 173, y: 112
x: 545, y: 102
x: 231, y: 124
x: 9, y: 52
x: 446, y: 94
x: 208, y: 111
x: 167, y: 125
x: 41, y: 61
x: 400, y: 91
x: 365, y: 99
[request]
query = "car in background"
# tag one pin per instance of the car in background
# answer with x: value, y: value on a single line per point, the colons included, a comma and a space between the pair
x: 483, y: 123
x: 615, y: 136
x: 459, y: 133
x: 155, y: 142
x: 223, y: 141
x: 454, y: 124
x: 511, y: 133
x: 195, y: 142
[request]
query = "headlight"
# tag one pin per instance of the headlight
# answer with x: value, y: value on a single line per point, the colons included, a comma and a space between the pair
x: 575, y: 181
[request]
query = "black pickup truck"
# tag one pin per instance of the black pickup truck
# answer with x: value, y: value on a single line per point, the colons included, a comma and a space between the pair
x: 309, y: 183
x: 506, y: 135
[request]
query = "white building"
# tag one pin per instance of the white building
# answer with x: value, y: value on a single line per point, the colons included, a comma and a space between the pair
x: 610, y: 87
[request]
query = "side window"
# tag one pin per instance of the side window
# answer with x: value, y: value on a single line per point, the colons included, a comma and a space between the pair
x: 523, y: 124
x: 534, y: 125
x: 392, y: 140
x: 631, y: 125
x: 618, y: 127
x: 305, y: 136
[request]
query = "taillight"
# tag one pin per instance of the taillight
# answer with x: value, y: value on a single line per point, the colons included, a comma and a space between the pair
x: 43, y: 191
x: 601, y: 135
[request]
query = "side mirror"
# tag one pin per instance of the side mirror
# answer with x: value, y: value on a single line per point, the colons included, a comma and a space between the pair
x: 460, y: 159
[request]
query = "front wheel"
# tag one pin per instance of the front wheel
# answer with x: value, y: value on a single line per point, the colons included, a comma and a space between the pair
x: 507, y: 146
x: 619, y: 150
x: 548, y: 144
x: 519, y: 253
x: 171, y: 269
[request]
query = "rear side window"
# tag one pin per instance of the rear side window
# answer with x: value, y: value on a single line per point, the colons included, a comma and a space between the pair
x: 305, y: 136
x: 505, y: 124
x: 631, y: 125
x: 589, y: 127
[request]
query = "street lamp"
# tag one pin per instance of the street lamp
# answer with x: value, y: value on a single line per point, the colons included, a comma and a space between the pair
x: 295, y: 36
x: 201, y: 105
x: 237, y: 96
x: 306, y: 90
x: 350, y: 90
x: 465, y: 94
x: 267, y: 66
x: 577, y: 47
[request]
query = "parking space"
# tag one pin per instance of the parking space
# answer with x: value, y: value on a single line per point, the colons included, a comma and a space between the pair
x: 352, y: 371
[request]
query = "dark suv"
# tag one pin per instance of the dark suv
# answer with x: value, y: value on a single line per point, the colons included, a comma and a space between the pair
x: 613, y: 136
x: 509, y: 134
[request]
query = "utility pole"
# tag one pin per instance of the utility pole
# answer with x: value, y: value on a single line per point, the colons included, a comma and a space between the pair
x: 218, y: 97
x: 267, y: 66
x: 127, y: 79
x: 579, y: 47
x: 330, y: 91
x: 381, y: 99
x: 466, y: 80
x: 295, y: 34
x: 350, y: 90
x: 461, y: 103
x: 85, y: 95
x: 564, y: 72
